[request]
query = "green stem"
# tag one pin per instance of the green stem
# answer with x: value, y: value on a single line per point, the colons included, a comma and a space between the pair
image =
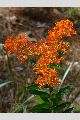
x: 50, y: 100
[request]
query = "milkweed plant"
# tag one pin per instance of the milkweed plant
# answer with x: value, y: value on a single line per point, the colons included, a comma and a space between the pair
x: 50, y: 54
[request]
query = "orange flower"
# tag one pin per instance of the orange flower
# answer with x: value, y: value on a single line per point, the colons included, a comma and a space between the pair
x: 47, y: 50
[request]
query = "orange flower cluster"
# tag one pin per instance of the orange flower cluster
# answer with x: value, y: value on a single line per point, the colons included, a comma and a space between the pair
x: 50, y: 78
x: 20, y: 46
x: 62, y: 28
x: 47, y: 50
x: 50, y: 50
x: 13, y: 44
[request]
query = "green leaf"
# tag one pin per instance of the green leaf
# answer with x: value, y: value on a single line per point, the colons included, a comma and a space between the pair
x: 33, y: 87
x: 33, y: 59
x: 41, y: 108
x: 4, y: 84
x: 78, y: 108
x: 64, y: 90
x: 56, y: 97
x: 58, y: 67
x: 38, y: 100
x: 44, y: 96
x: 60, y: 107
x: 69, y: 110
x: 60, y: 54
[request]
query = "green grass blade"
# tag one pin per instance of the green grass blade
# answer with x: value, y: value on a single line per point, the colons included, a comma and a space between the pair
x: 66, y: 73
x: 4, y: 84
x: 20, y: 106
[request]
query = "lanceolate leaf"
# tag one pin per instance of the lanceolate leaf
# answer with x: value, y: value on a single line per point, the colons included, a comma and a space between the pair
x: 44, y: 96
x: 61, y: 106
x: 32, y: 87
x: 64, y: 90
x: 69, y: 110
x: 44, y: 107
x: 58, y: 96
x: 78, y: 108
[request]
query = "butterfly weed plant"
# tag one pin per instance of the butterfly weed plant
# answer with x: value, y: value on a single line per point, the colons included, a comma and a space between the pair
x: 48, y: 56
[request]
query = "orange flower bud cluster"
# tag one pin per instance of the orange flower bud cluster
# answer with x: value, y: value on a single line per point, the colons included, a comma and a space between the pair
x: 47, y: 50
